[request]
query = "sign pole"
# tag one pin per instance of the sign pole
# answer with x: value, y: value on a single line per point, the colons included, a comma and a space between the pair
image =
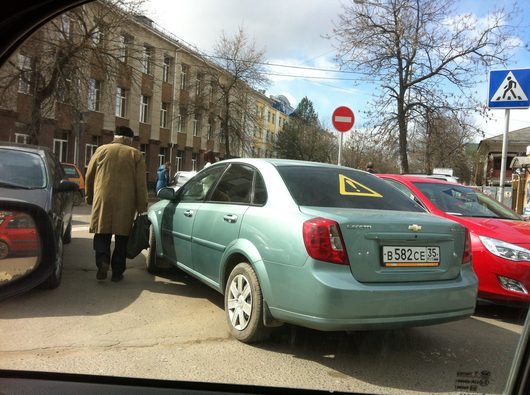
x: 504, y: 154
x: 340, y: 148
x: 343, y: 120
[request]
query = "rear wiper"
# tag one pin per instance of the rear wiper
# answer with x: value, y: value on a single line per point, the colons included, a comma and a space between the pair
x: 12, y: 185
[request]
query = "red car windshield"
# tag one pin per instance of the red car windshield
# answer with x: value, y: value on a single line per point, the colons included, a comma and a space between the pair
x: 463, y: 201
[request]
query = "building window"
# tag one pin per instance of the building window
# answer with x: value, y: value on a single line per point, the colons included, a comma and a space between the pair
x: 273, y: 118
x: 209, y: 131
x: 147, y: 56
x: 166, y: 71
x: 94, y: 95
x: 194, y: 161
x: 164, y: 115
x: 178, y: 160
x: 183, y: 73
x: 143, y: 149
x: 90, y: 149
x: 60, y: 149
x: 24, y: 83
x: 162, y: 156
x: 97, y: 34
x: 21, y: 138
x: 121, y: 102
x: 144, y: 109
x: 198, y: 85
x: 124, y: 44
x: 195, y: 127
x: 178, y: 124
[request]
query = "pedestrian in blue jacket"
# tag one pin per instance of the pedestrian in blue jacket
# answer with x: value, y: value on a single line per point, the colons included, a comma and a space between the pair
x: 162, y: 176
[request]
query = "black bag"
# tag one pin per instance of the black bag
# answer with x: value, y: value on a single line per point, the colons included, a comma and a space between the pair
x: 138, y: 237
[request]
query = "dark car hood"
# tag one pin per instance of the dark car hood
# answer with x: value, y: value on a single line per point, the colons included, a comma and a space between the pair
x: 511, y: 231
x: 38, y: 197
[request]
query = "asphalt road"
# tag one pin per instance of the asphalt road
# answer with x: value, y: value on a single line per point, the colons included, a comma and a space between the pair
x: 173, y: 327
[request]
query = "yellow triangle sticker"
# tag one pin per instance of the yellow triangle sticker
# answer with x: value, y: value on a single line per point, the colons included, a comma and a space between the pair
x: 349, y: 187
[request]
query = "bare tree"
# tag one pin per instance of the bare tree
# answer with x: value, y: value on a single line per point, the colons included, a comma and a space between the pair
x: 244, y: 70
x: 361, y: 147
x: 72, y: 58
x: 414, y: 47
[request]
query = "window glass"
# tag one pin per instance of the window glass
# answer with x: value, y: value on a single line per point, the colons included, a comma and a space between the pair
x: 198, y: 188
x: 260, y: 191
x: 22, y: 169
x: 460, y: 200
x: 334, y: 187
x: 235, y: 186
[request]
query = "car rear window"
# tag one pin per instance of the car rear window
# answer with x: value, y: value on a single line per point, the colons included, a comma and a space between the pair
x: 70, y: 171
x: 344, y: 188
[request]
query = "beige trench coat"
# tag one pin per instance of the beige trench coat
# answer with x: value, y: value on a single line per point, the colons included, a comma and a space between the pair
x: 115, y: 186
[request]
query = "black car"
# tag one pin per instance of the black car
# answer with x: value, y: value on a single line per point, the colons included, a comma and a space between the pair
x: 33, y: 180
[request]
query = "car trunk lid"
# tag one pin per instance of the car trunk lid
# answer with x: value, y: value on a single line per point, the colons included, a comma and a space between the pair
x: 397, y: 246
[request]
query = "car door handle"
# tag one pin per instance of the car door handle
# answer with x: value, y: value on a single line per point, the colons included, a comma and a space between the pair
x: 230, y: 218
x: 188, y: 213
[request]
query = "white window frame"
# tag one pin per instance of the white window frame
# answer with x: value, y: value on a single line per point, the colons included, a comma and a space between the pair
x: 94, y: 95
x: 63, y: 149
x: 166, y: 70
x: 121, y: 102
x: 164, y: 111
x: 24, y: 84
x: 194, y: 161
x: 209, y: 135
x: 183, y: 70
x: 178, y: 161
x: 124, y: 47
x: 195, y: 127
x: 178, y: 124
x: 89, y: 151
x: 144, y: 108
x: 21, y: 138
x: 198, y: 86
x: 147, y: 57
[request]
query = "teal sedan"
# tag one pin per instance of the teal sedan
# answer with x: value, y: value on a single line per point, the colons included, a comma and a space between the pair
x: 321, y: 246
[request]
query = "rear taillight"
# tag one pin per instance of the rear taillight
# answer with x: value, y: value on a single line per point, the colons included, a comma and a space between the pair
x: 466, y: 256
x: 323, y: 241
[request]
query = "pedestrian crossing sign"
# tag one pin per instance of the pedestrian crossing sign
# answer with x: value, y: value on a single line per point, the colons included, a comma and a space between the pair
x: 509, y: 88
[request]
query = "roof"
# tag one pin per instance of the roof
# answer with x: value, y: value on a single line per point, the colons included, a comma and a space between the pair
x: 24, y: 147
x: 519, y: 137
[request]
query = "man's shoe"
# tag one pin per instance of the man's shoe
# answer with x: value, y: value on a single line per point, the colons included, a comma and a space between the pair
x: 116, y: 278
x: 102, y: 271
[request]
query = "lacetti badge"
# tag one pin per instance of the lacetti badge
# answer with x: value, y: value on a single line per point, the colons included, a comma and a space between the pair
x: 415, y: 228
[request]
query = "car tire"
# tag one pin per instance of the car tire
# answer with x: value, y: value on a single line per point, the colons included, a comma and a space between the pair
x: 153, y: 263
x: 54, y: 280
x: 67, y: 237
x: 4, y: 249
x: 244, y: 305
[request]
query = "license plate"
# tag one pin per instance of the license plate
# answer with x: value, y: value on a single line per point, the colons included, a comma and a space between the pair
x: 411, y: 256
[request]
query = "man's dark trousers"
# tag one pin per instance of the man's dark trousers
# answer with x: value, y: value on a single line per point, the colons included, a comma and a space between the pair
x: 102, y: 248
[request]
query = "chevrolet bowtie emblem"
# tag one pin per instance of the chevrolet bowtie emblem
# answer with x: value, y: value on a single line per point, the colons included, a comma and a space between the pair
x: 415, y: 228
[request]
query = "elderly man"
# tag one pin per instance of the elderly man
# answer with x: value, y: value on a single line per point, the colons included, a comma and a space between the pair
x: 116, y: 188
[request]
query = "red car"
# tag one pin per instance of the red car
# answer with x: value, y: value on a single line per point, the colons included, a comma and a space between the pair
x: 500, y: 238
x: 18, y: 234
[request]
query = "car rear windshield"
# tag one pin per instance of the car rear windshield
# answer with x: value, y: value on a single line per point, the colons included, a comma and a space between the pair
x: 70, y: 171
x: 19, y: 169
x: 342, y: 188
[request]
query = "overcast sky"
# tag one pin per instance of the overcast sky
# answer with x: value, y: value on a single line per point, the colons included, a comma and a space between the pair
x: 292, y: 32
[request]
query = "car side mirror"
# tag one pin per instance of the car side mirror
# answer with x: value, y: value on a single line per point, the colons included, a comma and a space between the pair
x: 166, y: 193
x: 67, y: 186
x: 25, y: 265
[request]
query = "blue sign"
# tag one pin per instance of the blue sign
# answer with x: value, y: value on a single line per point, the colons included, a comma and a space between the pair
x: 509, y: 89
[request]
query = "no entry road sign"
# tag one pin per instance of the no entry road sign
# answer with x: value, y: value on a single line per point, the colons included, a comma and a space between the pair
x: 343, y: 119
